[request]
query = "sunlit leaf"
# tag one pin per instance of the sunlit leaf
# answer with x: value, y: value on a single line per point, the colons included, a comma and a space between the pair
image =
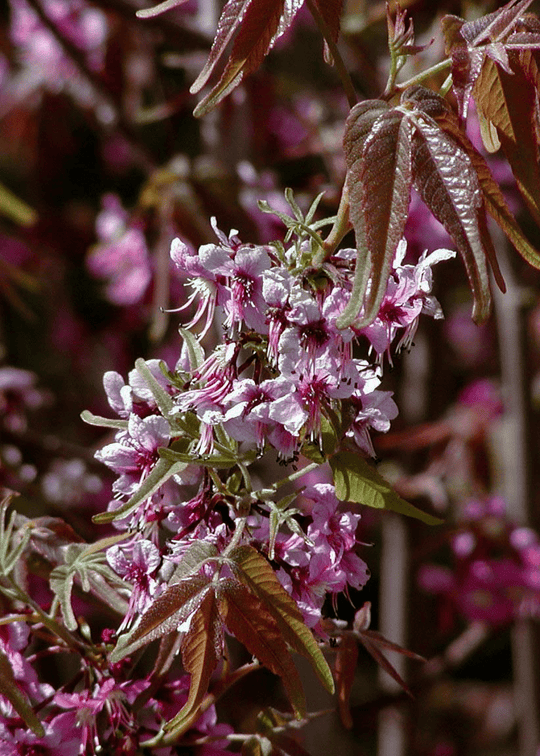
x: 448, y: 185
x: 257, y: 574
x: 386, y: 185
x: 201, y: 650
x: 357, y: 481
x: 160, y: 474
x: 172, y: 607
x: 251, y: 622
x: 259, y: 25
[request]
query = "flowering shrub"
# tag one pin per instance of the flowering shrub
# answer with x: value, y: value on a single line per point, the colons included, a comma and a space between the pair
x: 243, y: 451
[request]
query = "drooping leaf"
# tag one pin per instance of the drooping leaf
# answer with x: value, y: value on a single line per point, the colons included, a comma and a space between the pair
x: 103, y: 422
x: 360, y: 121
x: 448, y: 185
x: 251, y: 622
x: 357, y: 481
x: 509, y: 103
x: 382, y: 661
x: 162, y: 471
x: 201, y: 650
x: 386, y: 179
x: 259, y: 25
x: 345, y: 672
x: 17, y: 697
x: 257, y: 574
x: 89, y: 565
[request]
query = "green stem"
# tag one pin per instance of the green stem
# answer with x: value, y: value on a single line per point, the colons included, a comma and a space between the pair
x: 54, y: 626
x: 295, y: 475
x: 346, y: 80
x: 342, y: 226
x: 438, y: 68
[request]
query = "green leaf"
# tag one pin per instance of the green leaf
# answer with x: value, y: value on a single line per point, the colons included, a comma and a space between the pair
x: 103, y: 422
x: 195, y: 351
x: 253, y: 624
x: 201, y: 650
x: 163, y: 470
x: 357, y: 481
x: 17, y: 697
x: 257, y: 574
x: 163, y: 399
x: 167, y: 612
x: 192, y: 558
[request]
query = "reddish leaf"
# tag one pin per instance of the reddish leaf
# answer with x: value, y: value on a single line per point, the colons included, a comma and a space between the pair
x: 386, y: 185
x: 345, y: 669
x: 509, y: 103
x: 257, y: 574
x: 249, y: 620
x: 447, y: 182
x: 259, y: 25
x: 372, y: 648
x: 201, y: 650
x: 360, y: 121
x: 167, y: 612
x: 230, y: 19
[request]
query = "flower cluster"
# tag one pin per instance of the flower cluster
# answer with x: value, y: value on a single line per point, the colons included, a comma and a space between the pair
x: 286, y: 384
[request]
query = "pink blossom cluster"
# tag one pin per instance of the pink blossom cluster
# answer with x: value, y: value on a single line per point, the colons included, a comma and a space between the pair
x: 282, y: 379
x: 495, y: 572
x: 79, y: 722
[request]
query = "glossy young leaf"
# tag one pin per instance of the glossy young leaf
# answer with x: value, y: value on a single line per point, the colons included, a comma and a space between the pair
x: 386, y: 186
x: 357, y: 481
x: 447, y: 183
x: 250, y: 621
x: 201, y: 650
x: 257, y: 574
x: 360, y: 122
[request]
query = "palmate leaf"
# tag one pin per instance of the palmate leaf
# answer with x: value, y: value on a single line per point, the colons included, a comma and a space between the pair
x: 509, y: 103
x: 257, y: 574
x: 357, y: 481
x: 174, y: 606
x: 251, y: 622
x: 201, y: 650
